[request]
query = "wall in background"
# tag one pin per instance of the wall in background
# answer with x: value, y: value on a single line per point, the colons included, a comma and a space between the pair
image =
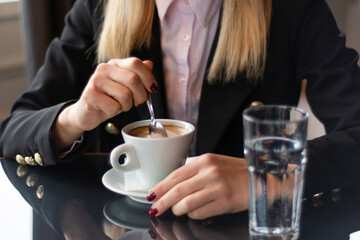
x: 347, y: 14
x: 12, y: 59
x: 12, y: 83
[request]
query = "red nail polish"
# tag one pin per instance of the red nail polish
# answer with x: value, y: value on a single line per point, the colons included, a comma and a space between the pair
x: 153, y: 211
x: 152, y: 234
x: 154, y: 222
x: 153, y: 88
x: 151, y: 196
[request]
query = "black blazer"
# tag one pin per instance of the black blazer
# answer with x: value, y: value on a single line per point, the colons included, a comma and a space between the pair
x: 304, y: 43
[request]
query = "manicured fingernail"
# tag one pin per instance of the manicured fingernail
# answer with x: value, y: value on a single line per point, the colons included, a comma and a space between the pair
x: 152, y: 64
x: 153, y: 88
x: 154, y: 222
x: 152, y: 234
x: 153, y: 211
x: 151, y: 196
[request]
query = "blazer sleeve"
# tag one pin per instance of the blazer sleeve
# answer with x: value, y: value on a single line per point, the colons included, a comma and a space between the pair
x: 68, y: 65
x: 333, y: 92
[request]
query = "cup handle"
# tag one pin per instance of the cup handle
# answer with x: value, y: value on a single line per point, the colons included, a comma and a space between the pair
x: 131, y: 160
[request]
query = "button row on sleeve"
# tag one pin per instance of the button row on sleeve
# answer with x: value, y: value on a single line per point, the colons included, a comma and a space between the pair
x: 29, y: 160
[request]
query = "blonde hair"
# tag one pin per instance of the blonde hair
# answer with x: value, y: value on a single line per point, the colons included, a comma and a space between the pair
x: 241, y: 48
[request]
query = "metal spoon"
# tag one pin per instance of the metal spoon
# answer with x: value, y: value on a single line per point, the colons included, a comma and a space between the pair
x: 154, y: 127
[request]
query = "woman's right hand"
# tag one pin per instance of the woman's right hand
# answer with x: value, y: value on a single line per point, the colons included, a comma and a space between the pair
x: 113, y: 88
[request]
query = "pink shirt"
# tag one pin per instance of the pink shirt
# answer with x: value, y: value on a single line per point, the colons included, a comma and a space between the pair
x: 188, y: 29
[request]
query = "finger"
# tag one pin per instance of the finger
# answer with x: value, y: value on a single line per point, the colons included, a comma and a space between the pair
x: 106, y: 104
x: 124, y: 95
x: 193, y: 201
x: 212, y: 189
x: 123, y: 77
x: 179, y: 175
x: 136, y: 66
x: 175, y: 194
x: 212, y: 208
x: 149, y: 64
x: 273, y: 188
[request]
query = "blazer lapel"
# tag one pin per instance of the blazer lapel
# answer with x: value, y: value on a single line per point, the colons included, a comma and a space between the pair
x: 219, y: 103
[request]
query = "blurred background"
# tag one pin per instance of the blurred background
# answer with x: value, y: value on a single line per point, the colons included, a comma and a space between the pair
x: 27, y: 27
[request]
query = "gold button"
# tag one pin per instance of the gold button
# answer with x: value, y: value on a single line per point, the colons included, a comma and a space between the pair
x: 318, y: 195
x: 112, y: 129
x: 30, y: 161
x: 31, y: 180
x: 21, y: 170
x: 256, y: 103
x: 336, y: 190
x: 20, y: 159
x: 40, y: 192
x: 38, y: 159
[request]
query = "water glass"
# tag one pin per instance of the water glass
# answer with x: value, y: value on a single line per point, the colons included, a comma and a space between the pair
x: 275, y: 151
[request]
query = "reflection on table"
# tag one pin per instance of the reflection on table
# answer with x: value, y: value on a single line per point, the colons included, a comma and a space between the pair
x: 72, y: 200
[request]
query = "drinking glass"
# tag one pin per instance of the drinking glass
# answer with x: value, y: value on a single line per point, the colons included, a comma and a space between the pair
x: 275, y: 151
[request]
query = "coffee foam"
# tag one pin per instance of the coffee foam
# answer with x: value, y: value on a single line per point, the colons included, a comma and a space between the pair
x: 172, y: 131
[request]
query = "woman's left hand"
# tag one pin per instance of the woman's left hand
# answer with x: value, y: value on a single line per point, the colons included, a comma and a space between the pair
x: 211, y: 185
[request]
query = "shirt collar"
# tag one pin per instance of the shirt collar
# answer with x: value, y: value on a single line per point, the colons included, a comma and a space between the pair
x: 204, y: 9
x: 162, y: 7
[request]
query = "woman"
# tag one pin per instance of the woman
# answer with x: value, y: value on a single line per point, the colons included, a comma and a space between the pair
x: 204, y: 62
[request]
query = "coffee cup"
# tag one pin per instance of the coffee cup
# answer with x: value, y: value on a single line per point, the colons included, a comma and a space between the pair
x: 150, y: 159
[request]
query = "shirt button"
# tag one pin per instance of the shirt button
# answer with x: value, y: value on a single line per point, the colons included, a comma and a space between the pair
x: 182, y: 80
x: 185, y: 37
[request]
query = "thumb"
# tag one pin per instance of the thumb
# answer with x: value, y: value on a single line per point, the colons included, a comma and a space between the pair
x: 149, y: 64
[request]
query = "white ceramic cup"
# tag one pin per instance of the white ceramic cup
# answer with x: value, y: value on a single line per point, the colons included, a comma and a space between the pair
x: 149, y: 160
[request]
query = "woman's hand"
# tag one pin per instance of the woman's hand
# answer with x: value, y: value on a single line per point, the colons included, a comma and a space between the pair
x: 113, y: 88
x: 210, y: 185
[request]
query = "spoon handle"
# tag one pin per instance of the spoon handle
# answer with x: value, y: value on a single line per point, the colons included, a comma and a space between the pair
x: 150, y: 106
x: 154, y: 126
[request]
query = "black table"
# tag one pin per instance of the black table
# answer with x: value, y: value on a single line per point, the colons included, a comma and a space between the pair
x: 71, y: 201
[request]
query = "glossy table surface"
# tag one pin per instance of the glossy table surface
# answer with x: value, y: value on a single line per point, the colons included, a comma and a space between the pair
x: 71, y: 202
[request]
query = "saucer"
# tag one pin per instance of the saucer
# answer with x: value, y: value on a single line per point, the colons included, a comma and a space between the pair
x: 124, y: 212
x: 115, y: 181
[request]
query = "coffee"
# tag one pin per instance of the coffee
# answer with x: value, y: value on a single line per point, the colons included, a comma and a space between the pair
x: 171, y: 130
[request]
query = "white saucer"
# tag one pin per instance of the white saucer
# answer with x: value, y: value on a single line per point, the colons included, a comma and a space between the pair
x: 114, y: 181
